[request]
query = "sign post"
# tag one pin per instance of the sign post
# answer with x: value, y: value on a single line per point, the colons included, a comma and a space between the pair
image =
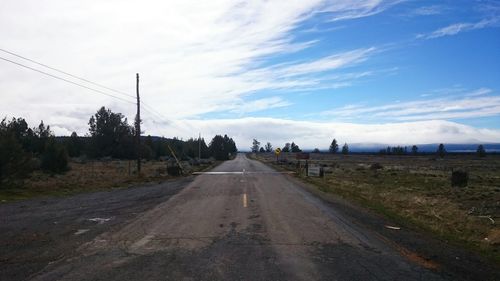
x: 277, y: 151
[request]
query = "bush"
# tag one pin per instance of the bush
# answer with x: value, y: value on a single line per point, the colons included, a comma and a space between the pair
x: 481, y: 152
x: 459, y: 178
x: 14, y: 162
x: 174, y: 170
x: 54, y: 158
x: 376, y: 166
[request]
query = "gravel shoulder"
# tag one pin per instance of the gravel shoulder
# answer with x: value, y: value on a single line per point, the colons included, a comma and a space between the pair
x: 35, y: 233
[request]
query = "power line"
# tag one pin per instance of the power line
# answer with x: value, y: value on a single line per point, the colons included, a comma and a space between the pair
x: 151, y: 109
x: 67, y: 73
x: 65, y: 80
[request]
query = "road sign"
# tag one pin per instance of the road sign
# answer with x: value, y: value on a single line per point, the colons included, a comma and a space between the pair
x: 314, y: 171
x: 302, y: 155
x: 277, y: 151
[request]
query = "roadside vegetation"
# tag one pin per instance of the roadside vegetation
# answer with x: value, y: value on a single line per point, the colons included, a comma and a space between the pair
x: 33, y: 161
x: 415, y: 189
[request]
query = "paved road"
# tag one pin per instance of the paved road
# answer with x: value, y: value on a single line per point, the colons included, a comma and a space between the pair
x: 241, y: 221
x: 246, y: 222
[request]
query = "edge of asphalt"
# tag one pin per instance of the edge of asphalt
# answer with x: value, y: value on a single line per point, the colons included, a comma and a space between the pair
x: 443, y: 257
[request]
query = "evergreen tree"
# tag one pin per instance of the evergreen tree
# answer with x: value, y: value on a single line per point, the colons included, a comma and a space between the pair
x: 334, y: 147
x: 414, y: 150
x: 222, y: 147
x: 286, y: 148
x: 73, y: 145
x: 441, y: 151
x: 481, y: 152
x: 54, y: 158
x: 255, y: 146
x: 345, y: 149
x: 262, y: 150
x: 316, y: 150
x: 14, y: 162
x: 268, y: 147
x: 42, y: 133
x: 295, y: 148
x: 111, y: 135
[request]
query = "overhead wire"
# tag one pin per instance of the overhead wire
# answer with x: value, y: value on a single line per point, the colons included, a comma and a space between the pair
x: 66, y: 73
x: 146, y: 107
x: 66, y: 80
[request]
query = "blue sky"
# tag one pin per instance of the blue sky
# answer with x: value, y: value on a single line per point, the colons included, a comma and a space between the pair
x: 409, y: 64
x: 378, y: 71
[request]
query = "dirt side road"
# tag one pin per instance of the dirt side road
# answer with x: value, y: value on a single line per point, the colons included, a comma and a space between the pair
x: 243, y: 221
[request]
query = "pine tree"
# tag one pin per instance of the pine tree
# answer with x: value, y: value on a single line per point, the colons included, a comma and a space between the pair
x: 268, y: 147
x: 441, y: 151
x: 295, y: 148
x: 334, y: 147
x: 481, y: 152
x: 286, y: 148
x: 255, y: 146
x: 345, y: 149
x: 414, y: 150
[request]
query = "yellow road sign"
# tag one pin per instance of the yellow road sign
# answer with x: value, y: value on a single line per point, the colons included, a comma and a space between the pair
x: 277, y: 151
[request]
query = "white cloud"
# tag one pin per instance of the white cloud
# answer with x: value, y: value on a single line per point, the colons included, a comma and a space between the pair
x: 319, y: 134
x: 428, y: 10
x: 259, y: 105
x: 193, y: 58
x: 456, y: 28
x: 472, y: 104
x: 353, y: 9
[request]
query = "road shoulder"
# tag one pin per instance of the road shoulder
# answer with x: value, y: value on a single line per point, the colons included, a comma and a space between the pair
x: 444, y: 257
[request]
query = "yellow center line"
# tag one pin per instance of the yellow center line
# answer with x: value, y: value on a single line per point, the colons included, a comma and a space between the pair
x: 245, y: 202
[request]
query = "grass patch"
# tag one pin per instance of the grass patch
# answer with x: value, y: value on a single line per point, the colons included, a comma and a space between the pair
x: 416, y: 191
x: 90, y: 176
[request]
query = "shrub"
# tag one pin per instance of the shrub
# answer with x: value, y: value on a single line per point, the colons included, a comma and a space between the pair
x: 174, y: 170
x: 481, y: 152
x: 459, y: 178
x: 14, y: 162
x: 54, y: 158
x: 376, y: 166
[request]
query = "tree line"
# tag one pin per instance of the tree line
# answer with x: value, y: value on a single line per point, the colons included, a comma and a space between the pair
x: 334, y: 148
x: 24, y: 149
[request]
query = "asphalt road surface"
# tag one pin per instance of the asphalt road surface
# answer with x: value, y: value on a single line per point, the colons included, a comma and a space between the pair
x: 241, y: 221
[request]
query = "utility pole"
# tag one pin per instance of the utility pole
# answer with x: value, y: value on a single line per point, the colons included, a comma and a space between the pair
x: 138, y: 127
x: 199, y: 146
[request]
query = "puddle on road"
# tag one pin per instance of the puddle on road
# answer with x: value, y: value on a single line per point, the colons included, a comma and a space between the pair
x: 100, y: 220
x: 81, y: 231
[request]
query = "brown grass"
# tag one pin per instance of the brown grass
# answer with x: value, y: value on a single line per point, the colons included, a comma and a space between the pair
x: 417, y: 190
x: 91, y: 176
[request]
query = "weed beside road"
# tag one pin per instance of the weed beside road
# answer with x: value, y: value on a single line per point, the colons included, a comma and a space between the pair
x: 91, y: 176
x: 416, y: 190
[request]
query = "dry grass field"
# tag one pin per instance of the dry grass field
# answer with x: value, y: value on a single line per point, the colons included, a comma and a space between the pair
x: 416, y: 190
x: 92, y: 176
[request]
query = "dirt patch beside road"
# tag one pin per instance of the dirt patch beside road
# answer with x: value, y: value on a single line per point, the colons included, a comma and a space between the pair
x: 37, y: 232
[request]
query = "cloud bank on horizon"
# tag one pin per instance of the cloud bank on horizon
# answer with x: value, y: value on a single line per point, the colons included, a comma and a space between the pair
x: 385, y: 71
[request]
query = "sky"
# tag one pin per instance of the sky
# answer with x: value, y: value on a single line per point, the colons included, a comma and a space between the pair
x: 361, y: 71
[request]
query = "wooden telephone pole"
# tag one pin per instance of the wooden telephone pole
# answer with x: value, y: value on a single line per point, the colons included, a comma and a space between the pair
x: 138, y: 127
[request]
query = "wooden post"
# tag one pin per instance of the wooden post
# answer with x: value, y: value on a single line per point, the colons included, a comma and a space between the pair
x: 175, y: 157
x: 138, y: 127
x: 199, y: 147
